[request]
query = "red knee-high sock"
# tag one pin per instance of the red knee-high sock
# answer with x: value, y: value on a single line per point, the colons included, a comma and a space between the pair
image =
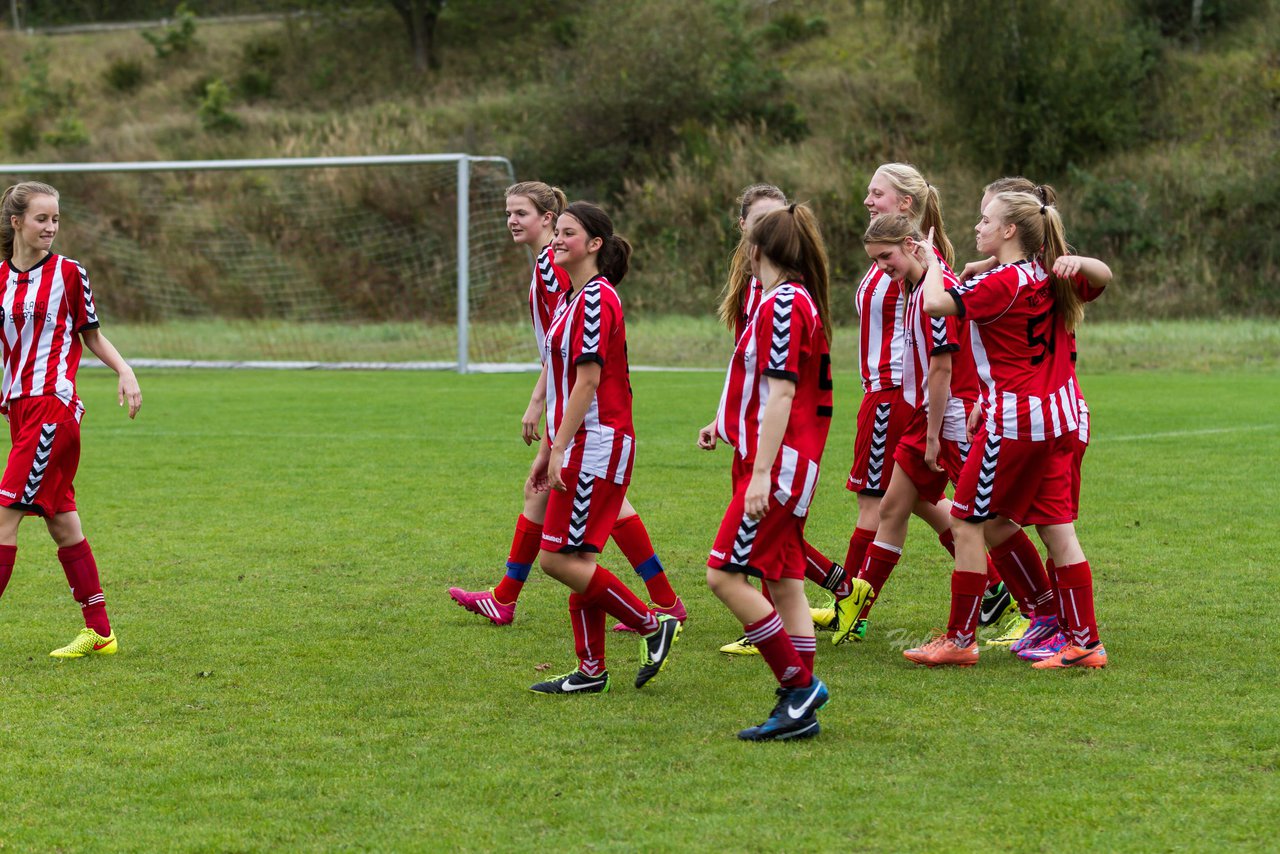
x: 8, y: 557
x: 588, y: 634
x: 825, y: 572
x: 1051, y: 570
x: 1023, y: 573
x: 609, y: 594
x: 778, y: 651
x: 858, y: 544
x: 1076, y: 582
x: 524, y: 550
x: 806, y: 648
x: 82, y: 574
x: 876, y: 569
x: 966, y: 601
x: 632, y: 537
x: 948, y: 540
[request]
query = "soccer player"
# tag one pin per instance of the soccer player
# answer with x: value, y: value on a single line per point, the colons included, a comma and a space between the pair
x: 738, y: 303
x: 775, y: 413
x: 532, y: 210
x: 939, y: 383
x: 592, y: 448
x: 895, y: 188
x: 47, y: 317
x: 1020, y: 470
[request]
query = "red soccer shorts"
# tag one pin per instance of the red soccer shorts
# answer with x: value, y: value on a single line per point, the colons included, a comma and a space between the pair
x: 909, y: 457
x: 771, y: 548
x: 1026, y: 482
x: 44, y: 457
x: 581, y: 518
x: 882, y: 418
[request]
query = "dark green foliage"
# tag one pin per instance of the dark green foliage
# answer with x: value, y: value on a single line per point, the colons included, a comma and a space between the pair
x: 124, y: 74
x: 52, y: 13
x: 176, y: 40
x: 1175, y: 18
x: 1039, y: 84
x: 1112, y: 218
x: 792, y: 28
x: 41, y: 111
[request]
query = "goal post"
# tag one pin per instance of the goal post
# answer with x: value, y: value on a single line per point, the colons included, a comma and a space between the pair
x: 313, y: 261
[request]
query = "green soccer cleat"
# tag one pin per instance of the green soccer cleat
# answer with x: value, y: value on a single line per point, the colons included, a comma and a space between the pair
x: 88, y: 642
x: 848, y: 609
x: 1014, y: 629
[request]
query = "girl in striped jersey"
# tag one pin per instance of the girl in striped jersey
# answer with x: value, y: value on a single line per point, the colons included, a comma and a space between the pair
x: 1020, y: 471
x: 738, y: 303
x: 588, y: 464
x: 532, y: 209
x: 775, y: 412
x: 47, y: 314
x: 895, y: 188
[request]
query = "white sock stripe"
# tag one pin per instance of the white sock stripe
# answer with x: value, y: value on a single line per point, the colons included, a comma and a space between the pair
x: 804, y: 644
x: 646, y: 613
x: 895, y: 549
x: 768, y: 630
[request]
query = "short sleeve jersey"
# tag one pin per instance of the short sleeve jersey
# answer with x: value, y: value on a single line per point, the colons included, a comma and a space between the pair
x: 590, y: 328
x: 925, y: 337
x: 42, y: 312
x: 750, y: 302
x: 547, y: 292
x: 881, y: 305
x: 784, y: 339
x: 1027, y: 387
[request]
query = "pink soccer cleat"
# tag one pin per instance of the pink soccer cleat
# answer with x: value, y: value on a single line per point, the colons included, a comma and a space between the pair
x: 485, y: 605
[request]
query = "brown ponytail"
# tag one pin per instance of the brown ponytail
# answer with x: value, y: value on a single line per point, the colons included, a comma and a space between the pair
x: 792, y: 240
x: 13, y: 203
x: 1042, y: 236
x: 1017, y: 184
x: 731, y: 297
x: 614, y: 258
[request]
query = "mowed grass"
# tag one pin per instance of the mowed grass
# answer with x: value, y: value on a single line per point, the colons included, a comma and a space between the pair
x: 276, y: 547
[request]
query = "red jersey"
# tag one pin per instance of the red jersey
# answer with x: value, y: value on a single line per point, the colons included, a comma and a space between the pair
x: 881, y: 305
x: 547, y: 292
x: 750, y: 302
x: 1028, y: 390
x: 784, y: 339
x: 924, y: 337
x: 590, y: 328
x: 42, y: 310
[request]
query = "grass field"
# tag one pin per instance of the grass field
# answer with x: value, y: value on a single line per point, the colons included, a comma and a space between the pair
x: 275, y: 548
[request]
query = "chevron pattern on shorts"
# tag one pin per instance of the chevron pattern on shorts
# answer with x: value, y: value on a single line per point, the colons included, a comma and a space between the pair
x: 780, y: 347
x: 742, y: 543
x: 879, y: 439
x: 581, y: 508
x: 591, y: 318
x: 986, y: 476
x: 41, y: 462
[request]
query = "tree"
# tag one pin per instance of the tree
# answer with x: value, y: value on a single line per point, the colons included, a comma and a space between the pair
x: 420, y: 18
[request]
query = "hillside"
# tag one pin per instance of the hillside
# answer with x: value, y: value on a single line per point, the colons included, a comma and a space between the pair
x: 666, y: 123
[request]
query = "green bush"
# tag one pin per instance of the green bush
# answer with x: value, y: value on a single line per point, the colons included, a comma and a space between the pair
x: 791, y: 28
x: 176, y: 40
x: 1174, y: 17
x: 124, y: 74
x: 214, y: 115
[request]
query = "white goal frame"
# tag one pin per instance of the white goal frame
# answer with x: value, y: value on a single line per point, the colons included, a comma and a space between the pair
x: 463, y: 165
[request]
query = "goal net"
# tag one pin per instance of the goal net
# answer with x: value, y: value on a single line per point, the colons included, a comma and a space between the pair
x: 400, y: 261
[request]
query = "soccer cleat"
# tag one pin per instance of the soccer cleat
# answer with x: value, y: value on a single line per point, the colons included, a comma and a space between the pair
x: 1040, y: 630
x: 996, y: 605
x: 859, y: 632
x: 848, y: 609
x: 484, y: 604
x: 677, y: 610
x: 88, y: 642
x: 576, y: 682
x: 1074, y: 656
x: 1015, y: 627
x: 794, y: 715
x: 742, y: 646
x: 655, y: 649
x: 824, y: 619
x: 942, y: 651
x: 1047, y: 649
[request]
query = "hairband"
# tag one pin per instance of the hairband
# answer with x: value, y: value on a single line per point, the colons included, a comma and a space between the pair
x: 1042, y: 210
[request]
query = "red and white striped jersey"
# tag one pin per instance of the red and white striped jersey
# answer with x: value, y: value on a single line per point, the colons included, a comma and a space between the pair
x: 750, y: 302
x: 590, y: 328
x: 547, y: 292
x: 42, y: 312
x: 924, y: 337
x: 881, y: 305
x: 784, y: 339
x: 1028, y: 389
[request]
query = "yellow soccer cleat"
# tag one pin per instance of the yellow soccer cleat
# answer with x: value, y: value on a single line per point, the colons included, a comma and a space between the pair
x: 848, y: 611
x: 824, y: 619
x: 88, y: 642
x: 1014, y: 628
x: 742, y: 646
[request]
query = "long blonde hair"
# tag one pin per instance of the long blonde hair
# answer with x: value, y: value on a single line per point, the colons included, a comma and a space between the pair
x: 731, y: 296
x: 926, y: 204
x: 1042, y: 236
x: 13, y: 203
x: 791, y: 238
